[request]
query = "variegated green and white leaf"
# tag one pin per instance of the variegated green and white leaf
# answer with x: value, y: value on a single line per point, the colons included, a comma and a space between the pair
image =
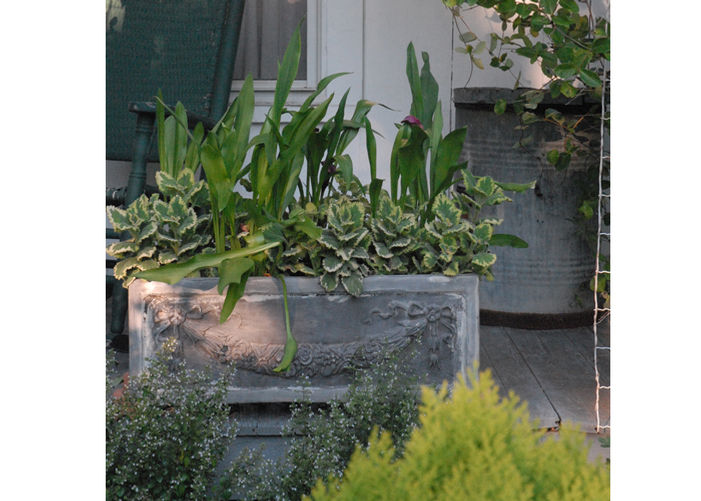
x: 496, y: 198
x: 166, y: 238
x: 483, y: 232
x: 445, y: 209
x: 188, y: 222
x: 329, y: 240
x: 452, y: 269
x: 353, y: 284
x: 332, y: 264
x: 120, y: 220
x: 188, y: 246
x: 449, y: 246
x: 303, y: 268
x: 486, y: 186
x: 163, y: 212
x: 484, y: 260
x: 119, y: 249
x: 429, y: 260
x: 345, y: 253
x: 381, y: 228
x: 400, y: 243
x: 166, y: 256
x: 360, y: 253
x: 396, y: 264
x: 178, y: 207
x: 146, y: 252
x: 293, y: 251
x: 147, y: 231
x: 382, y: 250
x: 361, y: 238
x: 122, y: 267
x: 492, y: 220
x: 432, y: 231
x: 329, y: 281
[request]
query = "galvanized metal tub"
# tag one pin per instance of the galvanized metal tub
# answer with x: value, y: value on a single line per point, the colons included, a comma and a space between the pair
x: 549, y: 278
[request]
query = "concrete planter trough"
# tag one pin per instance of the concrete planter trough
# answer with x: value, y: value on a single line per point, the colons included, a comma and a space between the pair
x: 432, y: 320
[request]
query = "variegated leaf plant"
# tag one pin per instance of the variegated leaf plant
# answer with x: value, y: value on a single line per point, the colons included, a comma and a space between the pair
x: 345, y: 242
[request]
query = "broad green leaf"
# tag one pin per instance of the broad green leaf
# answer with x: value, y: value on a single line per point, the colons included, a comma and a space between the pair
x: 553, y: 156
x: 516, y: 187
x: 287, y: 72
x: 220, y: 186
x: 429, y: 92
x: 180, y: 140
x: 309, y: 228
x: 506, y: 240
x: 173, y: 273
x: 447, y: 157
x: 192, y: 157
x: 566, y: 71
x: 589, y: 78
x: 323, y: 83
x: 345, y: 167
x: 568, y: 90
x: 412, y: 73
x: 290, y: 343
x: 548, y: 5
x: 231, y: 271
x: 233, y: 294
x: 500, y: 106
x: 570, y: 5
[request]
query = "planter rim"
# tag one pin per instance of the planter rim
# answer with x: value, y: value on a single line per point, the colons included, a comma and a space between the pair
x: 310, y: 285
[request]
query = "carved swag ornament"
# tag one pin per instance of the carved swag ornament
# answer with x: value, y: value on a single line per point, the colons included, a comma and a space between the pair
x: 172, y: 316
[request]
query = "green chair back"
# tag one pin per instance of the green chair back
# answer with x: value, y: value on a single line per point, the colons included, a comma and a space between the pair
x: 186, y: 48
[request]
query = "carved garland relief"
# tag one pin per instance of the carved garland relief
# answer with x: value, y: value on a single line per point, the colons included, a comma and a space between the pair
x: 171, y: 316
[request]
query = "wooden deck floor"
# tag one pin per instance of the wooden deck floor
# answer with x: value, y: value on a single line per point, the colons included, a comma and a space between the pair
x: 553, y: 370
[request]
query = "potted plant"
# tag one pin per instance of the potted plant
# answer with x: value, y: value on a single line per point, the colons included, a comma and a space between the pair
x: 555, y: 134
x: 355, y: 272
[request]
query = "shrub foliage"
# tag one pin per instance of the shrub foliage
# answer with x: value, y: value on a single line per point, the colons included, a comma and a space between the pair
x: 474, y: 446
x: 166, y: 432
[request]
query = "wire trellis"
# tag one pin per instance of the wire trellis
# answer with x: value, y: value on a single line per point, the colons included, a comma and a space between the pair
x: 600, y: 313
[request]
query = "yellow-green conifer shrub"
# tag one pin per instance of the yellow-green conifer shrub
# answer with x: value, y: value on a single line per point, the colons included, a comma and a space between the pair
x: 473, y: 445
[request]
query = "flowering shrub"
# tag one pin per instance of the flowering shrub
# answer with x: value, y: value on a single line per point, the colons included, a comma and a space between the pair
x: 166, y: 431
x: 328, y: 436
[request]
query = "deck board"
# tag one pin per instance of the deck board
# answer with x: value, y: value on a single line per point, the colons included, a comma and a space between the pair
x: 564, y: 370
x: 511, y: 369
